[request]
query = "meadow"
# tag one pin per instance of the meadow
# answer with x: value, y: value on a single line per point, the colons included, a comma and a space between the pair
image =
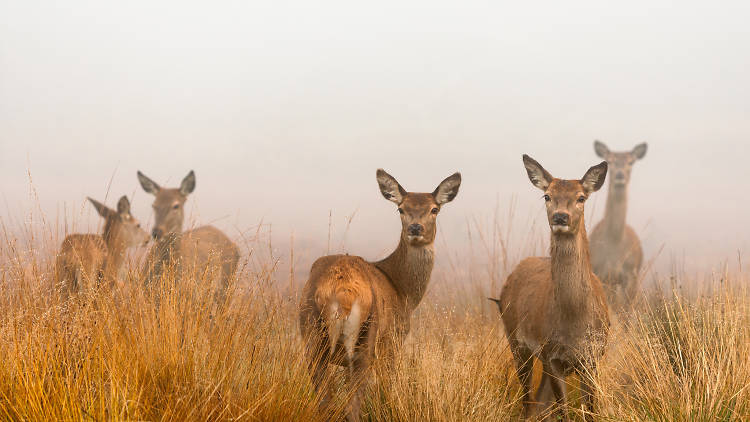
x: 112, y: 354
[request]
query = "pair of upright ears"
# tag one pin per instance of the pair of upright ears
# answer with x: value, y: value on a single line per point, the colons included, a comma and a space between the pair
x: 186, y: 187
x: 638, y: 152
x: 392, y: 190
x: 592, y: 181
x: 123, y: 207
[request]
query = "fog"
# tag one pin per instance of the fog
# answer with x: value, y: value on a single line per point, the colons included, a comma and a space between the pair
x: 286, y: 109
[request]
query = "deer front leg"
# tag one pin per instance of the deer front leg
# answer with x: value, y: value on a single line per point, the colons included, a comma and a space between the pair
x: 588, y: 396
x: 556, y: 374
x: 633, y: 286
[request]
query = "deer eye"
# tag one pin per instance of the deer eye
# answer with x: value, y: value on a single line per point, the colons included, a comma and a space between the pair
x: 435, y: 210
x: 400, y: 210
x: 581, y: 199
x: 546, y: 198
x: 175, y: 206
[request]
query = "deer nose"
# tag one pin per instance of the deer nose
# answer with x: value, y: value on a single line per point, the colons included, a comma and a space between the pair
x: 415, y: 229
x: 157, y: 233
x: 619, y: 176
x: 560, y: 218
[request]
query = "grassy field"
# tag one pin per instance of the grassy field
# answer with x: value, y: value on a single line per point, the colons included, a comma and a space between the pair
x: 114, y: 355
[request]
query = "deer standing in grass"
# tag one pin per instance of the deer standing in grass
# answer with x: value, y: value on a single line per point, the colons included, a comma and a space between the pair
x: 90, y: 258
x: 204, y: 248
x: 616, y: 253
x: 554, y: 308
x: 351, y: 308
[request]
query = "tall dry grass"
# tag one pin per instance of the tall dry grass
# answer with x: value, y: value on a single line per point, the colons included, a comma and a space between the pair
x: 116, y: 355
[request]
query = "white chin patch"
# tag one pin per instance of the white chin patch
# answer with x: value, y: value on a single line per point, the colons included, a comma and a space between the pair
x: 558, y: 228
x: 415, y: 238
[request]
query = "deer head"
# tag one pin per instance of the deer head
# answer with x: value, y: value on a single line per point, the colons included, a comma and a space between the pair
x: 620, y: 163
x: 120, y: 225
x: 418, y: 211
x: 565, y: 199
x: 168, y: 205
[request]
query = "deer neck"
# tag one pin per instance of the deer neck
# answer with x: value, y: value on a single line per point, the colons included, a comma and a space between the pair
x: 167, y: 251
x: 571, y: 273
x: 116, y: 249
x: 616, y: 211
x: 409, y: 269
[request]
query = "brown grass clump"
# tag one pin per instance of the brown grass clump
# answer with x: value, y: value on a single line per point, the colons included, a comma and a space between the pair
x: 682, y: 360
x: 107, y: 355
x: 116, y: 355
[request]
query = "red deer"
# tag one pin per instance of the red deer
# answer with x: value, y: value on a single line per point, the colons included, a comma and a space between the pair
x: 351, y: 308
x: 91, y: 258
x: 554, y: 308
x: 616, y: 253
x: 203, y: 248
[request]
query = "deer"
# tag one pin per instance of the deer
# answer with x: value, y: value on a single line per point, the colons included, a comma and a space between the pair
x: 554, y: 308
x: 616, y: 252
x: 352, y: 310
x: 204, y: 248
x: 95, y: 258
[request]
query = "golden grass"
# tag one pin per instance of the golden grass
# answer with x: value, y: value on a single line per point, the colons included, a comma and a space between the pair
x: 115, y: 355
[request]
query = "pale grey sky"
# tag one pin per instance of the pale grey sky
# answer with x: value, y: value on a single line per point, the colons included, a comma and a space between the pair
x: 285, y: 110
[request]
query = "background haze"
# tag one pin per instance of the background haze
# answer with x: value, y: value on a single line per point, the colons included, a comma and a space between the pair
x: 285, y: 110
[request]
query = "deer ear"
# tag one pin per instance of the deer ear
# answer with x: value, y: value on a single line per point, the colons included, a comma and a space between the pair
x: 537, y: 174
x: 601, y: 149
x: 188, y: 184
x: 447, y: 189
x: 640, y: 150
x: 102, y: 209
x: 594, y: 177
x: 389, y: 187
x: 123, y: 206
x: 497, y: 302
x: 147, y: 184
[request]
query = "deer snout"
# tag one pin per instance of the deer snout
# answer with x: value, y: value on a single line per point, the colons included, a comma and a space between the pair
x: 156, y: 233
x: 620, y: 176
x: 560, y: 219
x: 415, y: 229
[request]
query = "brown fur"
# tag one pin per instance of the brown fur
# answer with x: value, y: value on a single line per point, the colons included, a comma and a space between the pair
x: 87, y: 259
x: 205, y: 249
x: 80, y: 262
x: 616, y: 253
x: 383, y: 293
x: 554, y: 308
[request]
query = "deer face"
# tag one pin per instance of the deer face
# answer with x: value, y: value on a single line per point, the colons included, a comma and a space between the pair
x: 418, y: 211
x: 620, y: 163
x: 121, y: 225
x: 565, y: 199
x: 168, y: 204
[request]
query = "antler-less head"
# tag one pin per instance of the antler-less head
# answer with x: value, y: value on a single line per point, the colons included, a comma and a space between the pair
x: 418, y: 211
x: 168, y: 204
x: 121, y: 224
x: 620, y: 163
x: 565, y: 199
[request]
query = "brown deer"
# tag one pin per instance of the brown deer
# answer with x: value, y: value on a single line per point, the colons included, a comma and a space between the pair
x: 351, y: 308
x: 204, y: 248
x: 616, y: 253
x: 92, y: 257
x: 554, y: 308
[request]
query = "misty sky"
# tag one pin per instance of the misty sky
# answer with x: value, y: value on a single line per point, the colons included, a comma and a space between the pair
x: 285, y: 109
